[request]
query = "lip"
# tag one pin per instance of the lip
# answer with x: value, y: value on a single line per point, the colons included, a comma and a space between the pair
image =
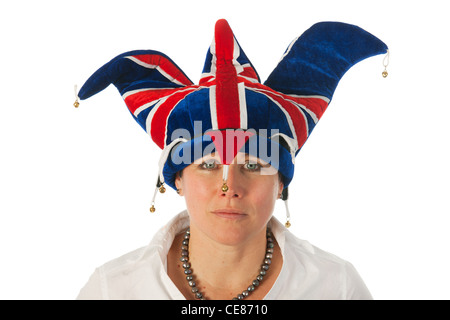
x: 227, y: 213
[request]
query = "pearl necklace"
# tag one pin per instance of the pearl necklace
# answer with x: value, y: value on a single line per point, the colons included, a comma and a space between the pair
x: 244, y: 294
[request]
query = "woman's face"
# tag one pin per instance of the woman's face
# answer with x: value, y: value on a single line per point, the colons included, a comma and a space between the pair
x: 236, y: 215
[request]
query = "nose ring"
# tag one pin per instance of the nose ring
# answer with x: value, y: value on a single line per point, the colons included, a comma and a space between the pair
x: 224, y: 187
x: 225, y: 177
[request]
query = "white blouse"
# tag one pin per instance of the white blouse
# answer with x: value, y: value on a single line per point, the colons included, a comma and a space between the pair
x: 307, y: 272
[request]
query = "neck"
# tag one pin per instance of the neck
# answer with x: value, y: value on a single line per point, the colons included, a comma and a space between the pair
x: 221, y: 270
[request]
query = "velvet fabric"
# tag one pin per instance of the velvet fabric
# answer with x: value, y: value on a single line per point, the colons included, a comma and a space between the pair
x: 319, y: 58
x: 282, y: 111
x: 268, y: 150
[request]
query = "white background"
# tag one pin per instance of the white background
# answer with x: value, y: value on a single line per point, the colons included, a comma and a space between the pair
x: 371, y: 184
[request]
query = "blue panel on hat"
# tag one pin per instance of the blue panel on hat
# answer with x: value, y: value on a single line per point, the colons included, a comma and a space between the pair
x: 315, y: 62
x: 229, y: 95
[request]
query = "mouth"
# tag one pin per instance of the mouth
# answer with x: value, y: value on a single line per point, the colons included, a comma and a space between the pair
x: 231, y: 214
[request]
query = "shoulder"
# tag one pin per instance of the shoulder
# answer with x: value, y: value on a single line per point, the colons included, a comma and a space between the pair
x: 332, y: 276
x: 135, y: 273
x: 310, y: 254
x: 294, y: 248
x: 127, y: 262
x: 114, y: 273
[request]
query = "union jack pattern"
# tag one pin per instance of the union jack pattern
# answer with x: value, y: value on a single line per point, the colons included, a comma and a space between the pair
x: 230, y: 95
x: 227, y: 77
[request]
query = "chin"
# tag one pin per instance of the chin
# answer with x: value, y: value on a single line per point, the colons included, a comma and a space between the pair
x: 231, y: 234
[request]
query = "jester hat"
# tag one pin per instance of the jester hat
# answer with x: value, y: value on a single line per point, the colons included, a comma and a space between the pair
x: 230, y: 109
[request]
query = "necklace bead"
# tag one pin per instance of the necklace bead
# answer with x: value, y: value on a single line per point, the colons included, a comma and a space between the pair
x: 255, y: 283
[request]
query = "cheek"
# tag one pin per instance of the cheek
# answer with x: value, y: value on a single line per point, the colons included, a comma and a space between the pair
x: 264, y: 196
x: 197, y: 193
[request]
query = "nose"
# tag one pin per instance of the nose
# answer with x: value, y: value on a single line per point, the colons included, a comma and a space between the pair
x: 233, y: 184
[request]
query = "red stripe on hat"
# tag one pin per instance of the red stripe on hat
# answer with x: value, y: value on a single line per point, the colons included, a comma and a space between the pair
x: 166, y: 65
x: 138, y: 99
x: 205, y: 80
x: 249, y: 72
x: 227, y: 95
x: 298, y: 118
x: 316, y: 105
x: 229, y: 142
x: 158, y: 124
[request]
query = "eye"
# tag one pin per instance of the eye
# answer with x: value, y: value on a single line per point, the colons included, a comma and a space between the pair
x: 252, y: 166
x: 209, y: 164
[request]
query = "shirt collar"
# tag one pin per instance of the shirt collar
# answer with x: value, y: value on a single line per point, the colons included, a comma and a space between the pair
x: 164, y: 238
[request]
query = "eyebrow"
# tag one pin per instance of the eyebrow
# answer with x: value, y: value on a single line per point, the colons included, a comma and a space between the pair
x: 247, y: 157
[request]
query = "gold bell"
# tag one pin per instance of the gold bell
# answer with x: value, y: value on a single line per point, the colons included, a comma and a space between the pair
x: 162, y: 189
x: 152, y: 208
x: 76, y: 103
x: 224, y: 187
x: 385, y: 64
x: 287, y: 224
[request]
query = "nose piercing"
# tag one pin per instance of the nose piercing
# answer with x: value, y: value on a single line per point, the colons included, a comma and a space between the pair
x: 225, y: 177
x: 224, y: 187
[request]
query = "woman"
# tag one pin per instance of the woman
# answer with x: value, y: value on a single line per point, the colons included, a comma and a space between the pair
x: 230, y: 226
x: 229, y: 145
